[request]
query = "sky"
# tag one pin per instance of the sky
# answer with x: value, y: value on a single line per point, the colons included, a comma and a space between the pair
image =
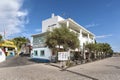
x: 24, y: 17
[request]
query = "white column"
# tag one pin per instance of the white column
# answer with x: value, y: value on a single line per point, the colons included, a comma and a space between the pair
x: 80, y: 33
x: 80, y: 38
x: 93, y: 39
x: 88, y: 38
x: 67, y: 24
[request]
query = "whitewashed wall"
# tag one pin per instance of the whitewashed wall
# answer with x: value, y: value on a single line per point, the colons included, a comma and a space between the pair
x: 51, y: 23
x: 47, y: 51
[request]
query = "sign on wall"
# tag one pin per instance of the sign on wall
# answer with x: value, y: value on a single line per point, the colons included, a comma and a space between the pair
x: 63, y: 56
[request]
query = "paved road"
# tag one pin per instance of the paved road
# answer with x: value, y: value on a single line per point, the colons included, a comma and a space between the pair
x: 16, y: 61
x: 107, y: 69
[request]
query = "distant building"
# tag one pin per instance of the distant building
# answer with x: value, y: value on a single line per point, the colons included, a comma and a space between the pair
x: 41, y: 51
x: 8, y: 47
x: 26, y: 49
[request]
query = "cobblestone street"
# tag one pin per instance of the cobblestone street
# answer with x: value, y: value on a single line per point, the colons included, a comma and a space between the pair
x: 107, y: 69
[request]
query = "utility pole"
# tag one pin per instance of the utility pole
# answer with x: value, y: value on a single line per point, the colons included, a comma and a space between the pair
x: 4, y: 34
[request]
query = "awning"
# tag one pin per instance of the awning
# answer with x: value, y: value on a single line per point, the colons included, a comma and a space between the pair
x: 7, y: 44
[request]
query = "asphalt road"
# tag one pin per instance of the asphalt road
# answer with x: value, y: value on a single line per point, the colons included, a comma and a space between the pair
x: 16, y: 61
x: 107, y: 69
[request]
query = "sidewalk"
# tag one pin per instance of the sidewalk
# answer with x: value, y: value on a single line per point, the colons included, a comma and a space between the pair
x: 59, y: 64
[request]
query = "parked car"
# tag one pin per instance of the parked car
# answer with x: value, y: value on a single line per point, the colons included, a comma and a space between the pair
x: 2, y: 56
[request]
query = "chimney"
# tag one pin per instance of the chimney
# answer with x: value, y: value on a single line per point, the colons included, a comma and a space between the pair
x: 53, y: 15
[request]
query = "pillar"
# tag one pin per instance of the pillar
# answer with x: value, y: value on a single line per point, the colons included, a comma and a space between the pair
x: 67, y: 24
x: 80, y: 33
x: 88, y: 38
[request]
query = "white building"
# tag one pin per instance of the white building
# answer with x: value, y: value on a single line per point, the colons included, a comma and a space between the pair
x: 43, y: 52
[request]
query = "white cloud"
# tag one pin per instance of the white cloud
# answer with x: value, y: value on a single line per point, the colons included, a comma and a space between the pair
x: 12, y: 18
x: 104, y: 36
x: 38, y: 30
x: 116, y: 48
x: 91, y: 25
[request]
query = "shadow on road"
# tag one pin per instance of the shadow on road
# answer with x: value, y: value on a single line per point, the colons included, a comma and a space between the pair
x: 65, y: 69
x: 53, y: 65
x: 16, y: 61
x: 86, y: 76
x: 117, y: 67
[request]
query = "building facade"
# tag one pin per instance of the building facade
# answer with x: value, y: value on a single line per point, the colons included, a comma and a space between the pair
x: 40, y: 50
x: 8, y: 47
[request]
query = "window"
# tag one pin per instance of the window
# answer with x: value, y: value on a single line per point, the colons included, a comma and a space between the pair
x: 10, y: 49
x: 52, y: 25
x: 11, y: 53
x: 42, y: 53
x: 35, y: 53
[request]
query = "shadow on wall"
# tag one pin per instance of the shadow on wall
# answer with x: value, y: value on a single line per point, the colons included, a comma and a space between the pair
x: 38, y: 60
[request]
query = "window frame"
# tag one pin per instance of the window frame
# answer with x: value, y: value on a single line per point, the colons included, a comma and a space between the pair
x: 35, y: 53
x: 42, y: 53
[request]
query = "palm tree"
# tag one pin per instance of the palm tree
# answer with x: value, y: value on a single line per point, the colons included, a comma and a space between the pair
x: 19, y: 41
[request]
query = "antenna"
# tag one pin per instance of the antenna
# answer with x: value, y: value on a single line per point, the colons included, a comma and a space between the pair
x: 65, y: 15
x: 4, y: 34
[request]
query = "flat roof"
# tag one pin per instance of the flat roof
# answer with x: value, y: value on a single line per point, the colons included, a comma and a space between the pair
x: 39, y: 34
x: 79, y: 26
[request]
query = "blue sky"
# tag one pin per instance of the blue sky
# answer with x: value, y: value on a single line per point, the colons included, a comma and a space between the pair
x: 101, y: 17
